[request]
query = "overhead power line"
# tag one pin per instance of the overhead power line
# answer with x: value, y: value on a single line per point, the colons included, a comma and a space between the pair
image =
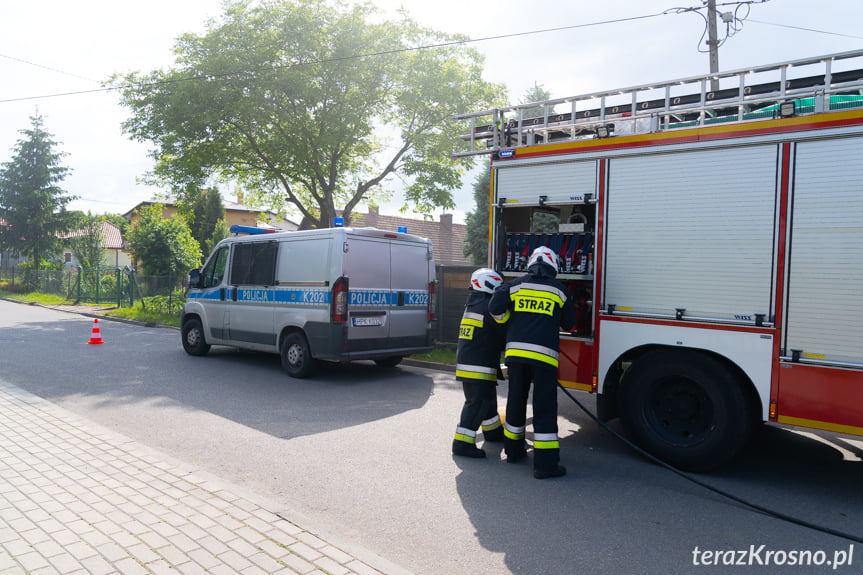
x: 806, y: 29
x: 324, y: 61
x: 732, y: 29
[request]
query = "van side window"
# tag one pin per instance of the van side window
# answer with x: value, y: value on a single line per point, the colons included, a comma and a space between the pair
x: 215, y: 269
x: 254, y: 263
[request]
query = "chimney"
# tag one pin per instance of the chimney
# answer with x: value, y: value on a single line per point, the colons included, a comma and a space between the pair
x: 446, y: 222
x: 240, y: 197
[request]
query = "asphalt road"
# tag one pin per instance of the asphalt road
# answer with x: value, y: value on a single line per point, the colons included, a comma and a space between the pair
x: 365, y: 452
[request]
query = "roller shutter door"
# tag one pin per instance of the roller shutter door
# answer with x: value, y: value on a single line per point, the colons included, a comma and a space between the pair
x: 692, y: 230
x: 825, y: 283
x: 563, y: 182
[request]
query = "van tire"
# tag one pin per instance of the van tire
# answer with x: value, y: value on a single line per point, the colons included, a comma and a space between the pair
x: 297, y: 358
x: 194, y: 341
x: 686, y: 408
x: 390, y: 361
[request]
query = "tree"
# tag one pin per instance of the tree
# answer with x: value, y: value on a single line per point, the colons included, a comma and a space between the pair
x: 87, y: 242
x: 203, y: 210
x: 476, y: 222
x: 311, y: 104
x: 476, y: 241
x: 535, y: 94
x: 163, y: 246
x: 32, y: 205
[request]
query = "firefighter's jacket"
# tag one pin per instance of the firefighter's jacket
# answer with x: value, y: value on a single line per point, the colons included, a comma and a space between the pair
x: 480, y: 341
x: 537, y: 307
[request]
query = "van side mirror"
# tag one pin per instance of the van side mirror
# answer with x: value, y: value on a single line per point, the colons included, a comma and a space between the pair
x: 195, y: 278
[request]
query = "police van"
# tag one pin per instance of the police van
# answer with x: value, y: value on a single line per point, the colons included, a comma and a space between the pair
x: 336, y: 294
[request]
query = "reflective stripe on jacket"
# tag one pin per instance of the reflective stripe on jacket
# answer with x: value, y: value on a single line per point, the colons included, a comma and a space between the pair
x: 480, y: 341
x: 539, y: 306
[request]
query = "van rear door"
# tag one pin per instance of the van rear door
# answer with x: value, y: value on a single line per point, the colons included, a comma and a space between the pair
x: 367, y: 266
x: 409, y: 263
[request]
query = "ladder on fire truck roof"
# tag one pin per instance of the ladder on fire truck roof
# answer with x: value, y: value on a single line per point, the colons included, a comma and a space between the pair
x: 675, y: 104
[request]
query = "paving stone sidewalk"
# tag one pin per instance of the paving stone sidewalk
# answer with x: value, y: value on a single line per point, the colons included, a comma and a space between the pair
x: 77, y: 498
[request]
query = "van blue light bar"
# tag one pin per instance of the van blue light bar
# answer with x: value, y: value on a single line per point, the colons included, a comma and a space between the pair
x: 235, y: 229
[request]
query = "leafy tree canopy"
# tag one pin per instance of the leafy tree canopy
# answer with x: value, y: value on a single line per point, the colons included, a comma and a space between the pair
x: 476, y: 241
x: 163, y: 246
x: 203, y: 210
x: 86, y: 242
x: 310, y: 105
x: 32, y: 205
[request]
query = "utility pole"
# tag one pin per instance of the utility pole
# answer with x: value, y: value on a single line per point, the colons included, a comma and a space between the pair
x: 712, y: 43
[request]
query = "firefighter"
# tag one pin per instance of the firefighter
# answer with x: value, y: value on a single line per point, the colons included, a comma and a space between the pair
x: 536, y: 306
x: 480, y: 343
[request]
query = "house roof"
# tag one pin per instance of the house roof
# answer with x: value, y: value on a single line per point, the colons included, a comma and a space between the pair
x: 446, y: 237
x: 112, y: 238
x: 229, y: 207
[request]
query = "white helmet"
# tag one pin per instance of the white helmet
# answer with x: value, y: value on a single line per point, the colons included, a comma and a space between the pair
x: 545, y: 255
x: 486, y: 280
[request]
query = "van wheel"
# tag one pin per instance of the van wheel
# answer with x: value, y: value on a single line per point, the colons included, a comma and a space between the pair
x: 687, y: 409
x: 193, y: 338
x: 297, y: 358
x: 390, y: 361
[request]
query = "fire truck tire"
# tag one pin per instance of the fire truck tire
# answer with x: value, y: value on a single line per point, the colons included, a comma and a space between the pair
x: 297, y: 358
x: 686, y: 408
x: 194, y: 341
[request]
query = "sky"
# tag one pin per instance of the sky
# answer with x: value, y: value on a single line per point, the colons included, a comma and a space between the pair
x: 50, y: 49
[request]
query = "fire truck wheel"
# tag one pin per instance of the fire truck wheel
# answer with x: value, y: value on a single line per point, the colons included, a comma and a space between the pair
x: 297, y: 358
x: 686, y: 408
x: 193, y: 338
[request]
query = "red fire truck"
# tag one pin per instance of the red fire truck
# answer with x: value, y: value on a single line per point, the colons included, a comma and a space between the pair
x: 710, y: 230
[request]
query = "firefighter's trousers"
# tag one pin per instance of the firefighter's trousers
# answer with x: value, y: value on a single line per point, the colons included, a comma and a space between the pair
x: 480, y: 409
x: 546, y: 454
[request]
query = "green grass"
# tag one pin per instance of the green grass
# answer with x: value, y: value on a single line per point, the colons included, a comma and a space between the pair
x: 438, y: 355
x: 144, y: 315
x: 36, y: 297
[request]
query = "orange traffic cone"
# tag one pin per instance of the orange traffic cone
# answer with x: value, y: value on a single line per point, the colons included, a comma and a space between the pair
x: 96, y: 336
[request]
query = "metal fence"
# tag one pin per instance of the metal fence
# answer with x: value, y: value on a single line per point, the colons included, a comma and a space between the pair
x: 453, y: 289
x: 122, y: 287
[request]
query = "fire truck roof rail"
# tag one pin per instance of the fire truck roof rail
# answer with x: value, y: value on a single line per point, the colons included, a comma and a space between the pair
x: 745, y: 94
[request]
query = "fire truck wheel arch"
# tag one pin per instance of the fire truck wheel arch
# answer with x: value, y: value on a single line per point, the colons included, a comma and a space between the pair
x: 687, y: 408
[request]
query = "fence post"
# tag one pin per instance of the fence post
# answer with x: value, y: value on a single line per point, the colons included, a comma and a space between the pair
x: 119, y: 285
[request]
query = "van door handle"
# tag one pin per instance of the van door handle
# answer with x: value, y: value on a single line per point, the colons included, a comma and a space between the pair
x: 222, y: 294
x: 234, y: 294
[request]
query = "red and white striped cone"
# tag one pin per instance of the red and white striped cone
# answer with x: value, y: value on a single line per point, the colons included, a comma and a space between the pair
x: 96, y: 336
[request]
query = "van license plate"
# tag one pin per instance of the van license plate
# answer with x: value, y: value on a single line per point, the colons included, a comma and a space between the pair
x: 363, y: 321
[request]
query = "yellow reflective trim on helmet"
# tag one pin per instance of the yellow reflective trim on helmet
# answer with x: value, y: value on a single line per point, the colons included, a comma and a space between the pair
x: 532, y: 355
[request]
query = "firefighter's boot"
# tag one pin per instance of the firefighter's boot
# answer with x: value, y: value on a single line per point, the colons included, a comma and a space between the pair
x: 493, y: 435
x: 464, y: 449
x: 560, y: 471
